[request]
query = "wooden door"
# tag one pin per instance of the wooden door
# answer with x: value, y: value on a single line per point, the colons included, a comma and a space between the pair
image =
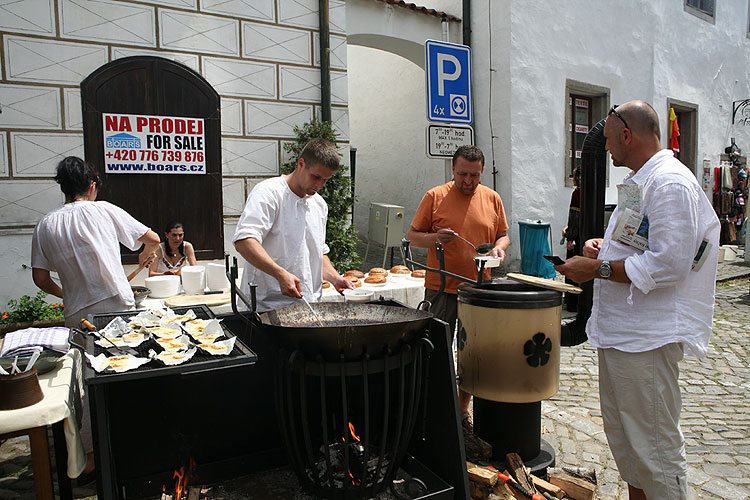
x: 146, y: 85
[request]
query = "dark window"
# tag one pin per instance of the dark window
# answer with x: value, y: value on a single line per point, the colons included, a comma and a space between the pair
x: 704, y: 8
x: 580, y: 114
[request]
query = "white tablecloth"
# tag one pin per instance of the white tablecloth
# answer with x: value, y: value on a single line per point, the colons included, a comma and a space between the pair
x: 406, y: 290
x: 61, y: 387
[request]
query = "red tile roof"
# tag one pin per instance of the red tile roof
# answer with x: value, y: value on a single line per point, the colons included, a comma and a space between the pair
x: 423, y: 10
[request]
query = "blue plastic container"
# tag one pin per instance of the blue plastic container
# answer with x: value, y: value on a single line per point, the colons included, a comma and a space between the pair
x: 535, y: 242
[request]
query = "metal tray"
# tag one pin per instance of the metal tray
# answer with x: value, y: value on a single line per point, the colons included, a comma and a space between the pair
x: 241, y: 355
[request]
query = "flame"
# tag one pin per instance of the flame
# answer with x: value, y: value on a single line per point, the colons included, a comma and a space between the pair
x: 182, y: 476
x: 351, y: 476
x: 353, y: 433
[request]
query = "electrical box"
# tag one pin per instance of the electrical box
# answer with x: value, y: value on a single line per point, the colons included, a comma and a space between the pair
x: 386, y: 224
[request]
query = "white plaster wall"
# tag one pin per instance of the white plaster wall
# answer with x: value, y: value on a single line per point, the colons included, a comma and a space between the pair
x: 638, y: 50
x: 387, y: 121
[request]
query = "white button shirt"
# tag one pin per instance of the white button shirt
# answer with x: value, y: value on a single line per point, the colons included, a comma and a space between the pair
x: 81, y: 241
x: 292, y: 231
x: 666, y: 301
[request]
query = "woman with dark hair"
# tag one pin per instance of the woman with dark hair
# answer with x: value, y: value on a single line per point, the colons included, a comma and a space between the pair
x: 81, y: 242
x: 175, y: 253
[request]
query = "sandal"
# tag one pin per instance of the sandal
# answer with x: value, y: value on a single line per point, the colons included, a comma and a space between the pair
x: 467, y: 422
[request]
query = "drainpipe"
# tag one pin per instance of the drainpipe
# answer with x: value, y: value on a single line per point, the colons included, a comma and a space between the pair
x: 467, y: 22
x: 446, y: 32
x: 325, y: 61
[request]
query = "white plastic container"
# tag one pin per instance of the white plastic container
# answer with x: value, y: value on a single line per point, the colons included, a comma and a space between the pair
x: 357, y: 295
x: 193, y: 279
x: 163, y: 286
x: 216, y: 277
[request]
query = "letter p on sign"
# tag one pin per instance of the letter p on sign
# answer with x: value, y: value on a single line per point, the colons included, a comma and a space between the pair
x: 448, y: 82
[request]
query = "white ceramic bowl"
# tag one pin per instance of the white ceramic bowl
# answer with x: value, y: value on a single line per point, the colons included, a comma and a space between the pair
x: 163, y: 286
x: 358, y: 295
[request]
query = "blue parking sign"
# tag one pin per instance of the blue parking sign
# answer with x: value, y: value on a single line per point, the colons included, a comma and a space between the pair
x: 448, y: 82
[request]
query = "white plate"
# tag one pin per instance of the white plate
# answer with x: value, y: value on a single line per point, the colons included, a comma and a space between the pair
x: 373, y: 285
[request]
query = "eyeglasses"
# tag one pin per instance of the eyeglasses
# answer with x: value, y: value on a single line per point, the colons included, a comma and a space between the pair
x: 612, y: 110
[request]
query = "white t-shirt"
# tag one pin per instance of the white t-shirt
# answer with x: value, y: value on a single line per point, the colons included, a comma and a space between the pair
x: 292, y: 231
x: 666, y: 301
x: 81, y: 242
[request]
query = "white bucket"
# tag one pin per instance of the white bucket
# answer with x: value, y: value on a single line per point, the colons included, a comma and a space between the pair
x: 163, y: 286
x: 217, y: 277
x: 730, y: 252
x: 193, y: 279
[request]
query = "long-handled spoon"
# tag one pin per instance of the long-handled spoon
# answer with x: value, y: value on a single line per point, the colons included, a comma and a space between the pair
x: 313, y: 311
x: 482, y: 249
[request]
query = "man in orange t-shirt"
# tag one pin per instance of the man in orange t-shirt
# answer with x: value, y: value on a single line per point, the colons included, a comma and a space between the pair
x: 475, y: 212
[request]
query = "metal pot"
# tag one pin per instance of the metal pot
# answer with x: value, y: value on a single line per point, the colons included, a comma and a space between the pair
x: 349, y: 328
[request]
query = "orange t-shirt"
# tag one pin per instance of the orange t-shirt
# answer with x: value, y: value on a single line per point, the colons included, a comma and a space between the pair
x: 479, y: 217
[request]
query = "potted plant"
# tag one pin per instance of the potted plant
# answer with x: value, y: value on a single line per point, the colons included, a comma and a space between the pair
x: 31, y: 312
x: 341, y: 235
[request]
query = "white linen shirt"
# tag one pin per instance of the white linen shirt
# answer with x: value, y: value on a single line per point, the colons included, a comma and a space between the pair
x: 665, y: 302
x: 292, y: 231
x: 81, y: 242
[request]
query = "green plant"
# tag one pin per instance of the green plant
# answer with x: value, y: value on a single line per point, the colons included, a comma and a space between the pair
x: 341, y: 235
x: 31, y: 309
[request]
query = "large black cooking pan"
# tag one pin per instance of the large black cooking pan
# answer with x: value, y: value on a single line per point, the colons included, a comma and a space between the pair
x: 348, y: 328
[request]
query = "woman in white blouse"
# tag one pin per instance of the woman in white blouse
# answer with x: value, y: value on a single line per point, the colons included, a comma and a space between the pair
x: 174, y: 254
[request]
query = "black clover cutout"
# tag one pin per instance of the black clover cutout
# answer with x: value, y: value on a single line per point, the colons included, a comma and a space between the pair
x: 537, y: 350
x: 461, y: 336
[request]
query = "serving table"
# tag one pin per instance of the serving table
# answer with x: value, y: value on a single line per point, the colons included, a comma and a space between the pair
x: 405, y: 290
x: 62, y: 388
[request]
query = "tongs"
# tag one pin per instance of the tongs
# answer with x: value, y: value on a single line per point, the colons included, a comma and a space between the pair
x: 119, y: 350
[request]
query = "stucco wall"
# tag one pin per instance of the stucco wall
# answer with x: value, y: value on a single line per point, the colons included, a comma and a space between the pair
x: 638, y: 50
x: 261, y: 56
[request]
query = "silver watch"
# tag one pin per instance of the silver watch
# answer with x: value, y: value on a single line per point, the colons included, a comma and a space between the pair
x: 605, y: 270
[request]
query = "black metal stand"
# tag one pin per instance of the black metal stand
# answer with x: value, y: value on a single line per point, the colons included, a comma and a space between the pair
x: 345, y: 432
x: 514, y: 428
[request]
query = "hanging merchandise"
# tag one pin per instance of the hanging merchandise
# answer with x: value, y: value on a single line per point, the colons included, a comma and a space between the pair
x: 674, y: 132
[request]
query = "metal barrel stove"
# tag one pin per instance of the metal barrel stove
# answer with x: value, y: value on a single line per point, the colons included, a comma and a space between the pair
x: 509, y: 359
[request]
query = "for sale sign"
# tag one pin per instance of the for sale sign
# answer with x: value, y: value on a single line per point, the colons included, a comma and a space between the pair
x: 145, y: 144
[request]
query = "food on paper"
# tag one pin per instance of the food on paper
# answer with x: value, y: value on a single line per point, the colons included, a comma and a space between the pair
x: 207, y: 338
x: 195, y: 325
x: 171, y: 345
x: 173, y: 358
x: 118, y: 364
x: 221, y: 348
x: 164, y: 332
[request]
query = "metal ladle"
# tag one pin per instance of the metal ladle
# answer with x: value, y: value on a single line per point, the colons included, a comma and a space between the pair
x: 313, y: 311
x: 482, y: 249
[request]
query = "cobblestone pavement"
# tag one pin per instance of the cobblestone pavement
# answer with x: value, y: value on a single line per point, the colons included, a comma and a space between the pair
x: 715, y: 413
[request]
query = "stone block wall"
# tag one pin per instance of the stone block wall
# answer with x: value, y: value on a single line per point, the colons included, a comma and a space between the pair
x: 260, y: 55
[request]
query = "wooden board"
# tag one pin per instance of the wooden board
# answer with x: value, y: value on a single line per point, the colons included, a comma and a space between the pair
x: 191, y: 300
x: 544, y: 283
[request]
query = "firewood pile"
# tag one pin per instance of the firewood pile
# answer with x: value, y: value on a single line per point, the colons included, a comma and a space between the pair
x: 517, y: 483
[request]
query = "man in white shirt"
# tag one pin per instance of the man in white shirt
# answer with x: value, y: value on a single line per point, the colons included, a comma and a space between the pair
x: 81, y: 242
x: 649, y: 305
x: 281, y: 233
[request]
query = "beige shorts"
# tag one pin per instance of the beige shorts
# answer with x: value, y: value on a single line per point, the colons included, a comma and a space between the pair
x: 641, y: 403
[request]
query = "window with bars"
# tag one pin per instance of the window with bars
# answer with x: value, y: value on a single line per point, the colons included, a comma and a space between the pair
x: 586, y: 104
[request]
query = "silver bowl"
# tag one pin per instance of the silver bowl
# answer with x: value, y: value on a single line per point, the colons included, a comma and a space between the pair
x: 140, y: 293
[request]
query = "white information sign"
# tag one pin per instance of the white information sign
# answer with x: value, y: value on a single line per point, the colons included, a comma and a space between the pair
x: 145, y: 144
x: 444, y: 140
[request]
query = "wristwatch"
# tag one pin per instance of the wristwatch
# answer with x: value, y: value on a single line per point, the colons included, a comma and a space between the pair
x: 605, y: 270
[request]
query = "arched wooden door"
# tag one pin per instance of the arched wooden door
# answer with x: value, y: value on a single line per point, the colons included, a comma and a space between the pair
x: 153, y: 86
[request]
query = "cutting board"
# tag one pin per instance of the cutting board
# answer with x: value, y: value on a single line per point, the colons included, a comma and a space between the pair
x: 191, y: 300
x: 544, y: 283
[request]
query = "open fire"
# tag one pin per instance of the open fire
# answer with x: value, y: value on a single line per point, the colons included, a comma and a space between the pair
x: 182, y: 488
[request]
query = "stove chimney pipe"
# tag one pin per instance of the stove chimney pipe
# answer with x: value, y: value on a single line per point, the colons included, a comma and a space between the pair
x: 593, y: 185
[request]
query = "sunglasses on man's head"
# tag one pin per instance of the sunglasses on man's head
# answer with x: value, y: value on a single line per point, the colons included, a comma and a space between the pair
x: 612, y: 110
